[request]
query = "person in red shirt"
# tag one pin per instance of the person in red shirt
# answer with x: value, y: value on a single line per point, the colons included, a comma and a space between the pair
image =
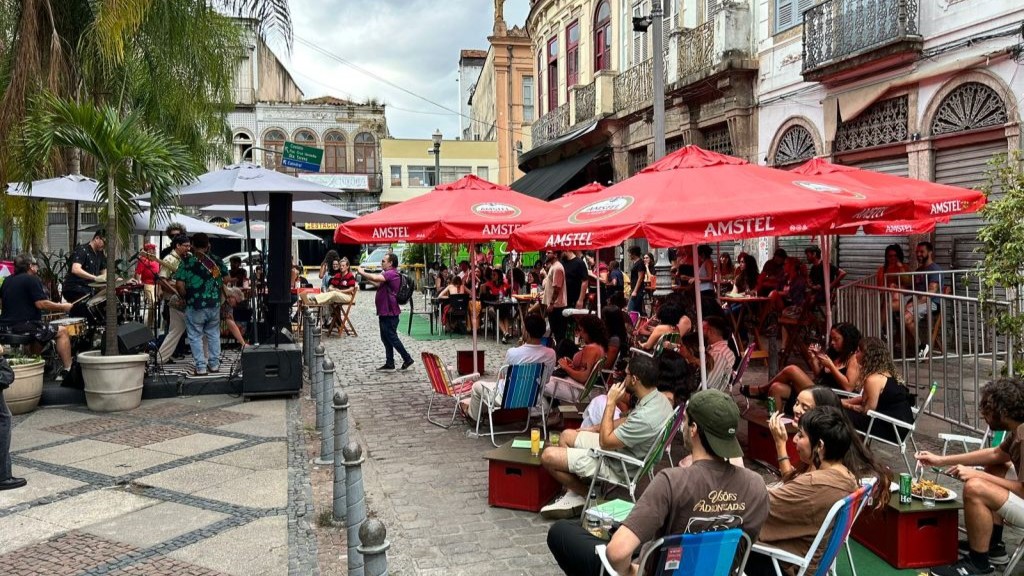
x: 146, y: 272
x: 341, y: 286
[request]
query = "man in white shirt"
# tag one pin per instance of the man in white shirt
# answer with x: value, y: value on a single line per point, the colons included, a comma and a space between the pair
x: 531, y: 352
x: 715, y: 333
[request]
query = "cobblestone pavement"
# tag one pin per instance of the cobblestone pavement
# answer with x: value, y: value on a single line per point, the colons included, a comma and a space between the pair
x: 206, y: 485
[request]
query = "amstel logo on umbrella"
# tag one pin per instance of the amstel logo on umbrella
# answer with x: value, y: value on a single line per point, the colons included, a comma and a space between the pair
x: 495, y: 210
x: 601, y: 210
x: 829, y: 189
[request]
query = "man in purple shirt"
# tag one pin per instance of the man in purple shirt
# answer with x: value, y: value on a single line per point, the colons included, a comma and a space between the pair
x: 387, y: 283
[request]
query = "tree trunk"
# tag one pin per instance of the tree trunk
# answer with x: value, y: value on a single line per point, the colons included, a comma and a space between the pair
x: 110, y: 339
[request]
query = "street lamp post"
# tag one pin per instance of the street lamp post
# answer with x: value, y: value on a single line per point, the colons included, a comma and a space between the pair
x: 437, y: 137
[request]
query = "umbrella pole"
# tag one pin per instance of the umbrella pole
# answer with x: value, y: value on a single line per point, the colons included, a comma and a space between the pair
x: 700, y: 330
x: 473, y: 305
x: 597, y: 280
x: 74, y: 229
x: 826, y: 268
x: 252, y: 270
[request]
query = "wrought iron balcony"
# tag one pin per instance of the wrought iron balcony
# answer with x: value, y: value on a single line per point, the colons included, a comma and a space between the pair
x: 861, y: 35
x: 586, y: 102
x: 696, y: 49
x: 635, y: 86
x: 550, y: 125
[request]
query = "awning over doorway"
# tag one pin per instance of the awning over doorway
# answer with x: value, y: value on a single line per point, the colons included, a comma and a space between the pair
x: 544, y: 182
x: 556, y: 143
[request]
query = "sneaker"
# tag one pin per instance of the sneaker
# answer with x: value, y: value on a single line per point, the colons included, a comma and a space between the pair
x: 963, y: 567
x: 64, y: 373
x: 925, y: 350
x: 406, y: 364
x: 199, y: 372
x: 996, y: 554
x: 386, y: 367
x: 214, y: 370
x: 565, y: 507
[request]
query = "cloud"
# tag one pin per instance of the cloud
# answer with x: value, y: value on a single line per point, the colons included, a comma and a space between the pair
x: 414, y: 44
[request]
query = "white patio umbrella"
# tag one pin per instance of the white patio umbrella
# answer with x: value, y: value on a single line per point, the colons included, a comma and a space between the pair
x: 193, y: 225
x: 71, y: 188
x: 258, y: 231
x: 316, y: 211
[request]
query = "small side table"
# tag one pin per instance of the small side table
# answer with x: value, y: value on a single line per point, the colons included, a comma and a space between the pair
x: 516, y: 480
x: 910, y: 535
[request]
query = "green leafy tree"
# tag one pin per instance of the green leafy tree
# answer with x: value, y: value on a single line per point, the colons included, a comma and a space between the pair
x: 129, y: 158
x: 1002, y: 268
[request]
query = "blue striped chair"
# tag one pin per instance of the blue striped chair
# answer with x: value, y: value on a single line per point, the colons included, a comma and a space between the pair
x: 703, y: 553
x: 520, y: 386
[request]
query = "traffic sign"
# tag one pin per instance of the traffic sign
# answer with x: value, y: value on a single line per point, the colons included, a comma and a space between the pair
x: 302, y: 157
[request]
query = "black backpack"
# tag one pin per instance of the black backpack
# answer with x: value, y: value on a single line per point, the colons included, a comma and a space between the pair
x: 405, y: 289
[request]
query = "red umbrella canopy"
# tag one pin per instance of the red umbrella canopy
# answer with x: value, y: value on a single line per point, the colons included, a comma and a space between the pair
x: 689, y: 196
x: 577, y: 196
x: 930, y: 200
x: 468, y: 210
x: 893, y: 227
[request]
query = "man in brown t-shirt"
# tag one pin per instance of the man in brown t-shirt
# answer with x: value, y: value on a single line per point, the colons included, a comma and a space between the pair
x: 711, y: 494
x: 989, y: 497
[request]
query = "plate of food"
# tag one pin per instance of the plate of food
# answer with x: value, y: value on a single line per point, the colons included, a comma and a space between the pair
x: 942, y: 494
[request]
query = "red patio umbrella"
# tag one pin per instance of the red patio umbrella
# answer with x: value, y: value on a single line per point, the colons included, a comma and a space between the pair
x: 690, y: 196
x: 468, y: 210
x: 930, y: 200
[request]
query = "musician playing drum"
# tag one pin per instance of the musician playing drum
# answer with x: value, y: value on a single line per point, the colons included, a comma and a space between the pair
x: 87, y: 262
x: 180, y: 246
x: 24, y: 300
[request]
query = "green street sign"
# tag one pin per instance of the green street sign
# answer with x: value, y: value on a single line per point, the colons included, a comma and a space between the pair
x: 302, y: 157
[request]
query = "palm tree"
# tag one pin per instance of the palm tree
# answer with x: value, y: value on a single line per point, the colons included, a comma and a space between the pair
x: 170, y: 61
x: 128, y: 157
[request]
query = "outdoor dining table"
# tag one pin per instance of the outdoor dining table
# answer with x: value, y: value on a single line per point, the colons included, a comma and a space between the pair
x: 524, y: 302
x: 506, y: 304
x: 746, y: 302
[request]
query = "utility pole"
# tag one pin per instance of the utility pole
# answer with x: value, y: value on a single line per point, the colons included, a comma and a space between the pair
x: 659, y: 78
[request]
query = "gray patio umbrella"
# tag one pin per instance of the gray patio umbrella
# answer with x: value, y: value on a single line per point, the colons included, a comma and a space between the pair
x: 141, y: 225
x: 71, y: 188
x: 258, y: 231
x: 316, y: 211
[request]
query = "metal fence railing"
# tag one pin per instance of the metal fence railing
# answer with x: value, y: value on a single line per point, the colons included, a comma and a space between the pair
x: 942, y: 336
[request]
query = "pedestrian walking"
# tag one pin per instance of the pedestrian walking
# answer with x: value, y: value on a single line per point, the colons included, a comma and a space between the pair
x: 388, y: 282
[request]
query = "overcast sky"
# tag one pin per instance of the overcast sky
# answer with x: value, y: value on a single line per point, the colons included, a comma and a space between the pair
x: 412, y: 43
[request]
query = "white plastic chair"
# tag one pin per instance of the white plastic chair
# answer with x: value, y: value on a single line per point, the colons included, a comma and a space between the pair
x: 899, y: 425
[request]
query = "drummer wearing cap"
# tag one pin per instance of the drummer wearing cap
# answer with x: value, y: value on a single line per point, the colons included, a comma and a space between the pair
x: 711, y: 494
x: 87, y: 262
x: 22, y: 301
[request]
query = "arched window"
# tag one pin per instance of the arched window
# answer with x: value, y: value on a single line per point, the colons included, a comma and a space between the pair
x: 366, y: 157
x: 335, y: 161
x: 305, y: 137
x: 971, y: 106
x: 796, y: 145
x: 602, y: 36
x: 273, y: 140
x: 242, y: 144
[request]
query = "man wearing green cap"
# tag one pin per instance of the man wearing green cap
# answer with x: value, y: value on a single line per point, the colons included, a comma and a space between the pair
x: 711, y: 494
x: 633, y: 436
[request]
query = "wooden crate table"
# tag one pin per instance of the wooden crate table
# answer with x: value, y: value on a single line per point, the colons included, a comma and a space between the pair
x: 516, y: 479
x: 761, y: 444
x: 910, y: 535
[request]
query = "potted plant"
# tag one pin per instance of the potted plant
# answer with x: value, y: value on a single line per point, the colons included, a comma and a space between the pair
x: 128, y: 158
x: 23, y: 394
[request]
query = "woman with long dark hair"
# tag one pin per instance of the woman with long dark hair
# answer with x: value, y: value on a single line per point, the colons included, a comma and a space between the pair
x: 591, y: 331
x: 805, y: 401
x: 837, y: 367
x: 326, y: 267
x: 835, y: 460
x: 882, y: 390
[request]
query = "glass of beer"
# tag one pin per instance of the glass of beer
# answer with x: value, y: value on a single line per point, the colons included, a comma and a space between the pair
x: 535, y: 441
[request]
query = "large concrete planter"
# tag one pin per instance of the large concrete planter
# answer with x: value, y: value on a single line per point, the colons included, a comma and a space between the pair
x: 23, y: 394
x: 112, y: 383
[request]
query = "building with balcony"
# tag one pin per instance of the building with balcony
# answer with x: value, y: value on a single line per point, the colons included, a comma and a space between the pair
x: 271, y: 109
x: 503, y: 101
x: 595, y: 87
x: 922, y: 89
x: 409, y: 167
x: 471, y: 62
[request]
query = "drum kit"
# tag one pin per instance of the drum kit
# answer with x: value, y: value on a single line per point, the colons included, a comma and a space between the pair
x: 87, y: 332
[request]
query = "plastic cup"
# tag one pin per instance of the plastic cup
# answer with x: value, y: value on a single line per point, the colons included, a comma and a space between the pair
x: 928, y: 496
x: 553, y: 438
x: 535, y: 441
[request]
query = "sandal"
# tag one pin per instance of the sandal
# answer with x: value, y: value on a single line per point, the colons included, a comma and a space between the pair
x: 745, y: 390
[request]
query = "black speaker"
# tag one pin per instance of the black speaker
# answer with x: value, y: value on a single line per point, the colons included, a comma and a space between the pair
x: 269, y: 369
x: 132, y: 338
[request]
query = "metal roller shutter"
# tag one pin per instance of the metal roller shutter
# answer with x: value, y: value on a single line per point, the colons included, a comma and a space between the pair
x: 964, y: 166
x: 861, y: 255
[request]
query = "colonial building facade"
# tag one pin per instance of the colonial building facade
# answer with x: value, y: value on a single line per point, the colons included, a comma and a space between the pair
x: 409, y: 165
x: 921, y: 89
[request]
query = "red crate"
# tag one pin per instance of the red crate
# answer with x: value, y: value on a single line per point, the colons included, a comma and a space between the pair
x: 464, y: 362
x: 761, y: 444
x: 516, y: 480
x: 910, y: 535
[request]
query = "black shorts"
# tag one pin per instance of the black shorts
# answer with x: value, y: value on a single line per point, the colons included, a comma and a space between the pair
x: 39, y: 331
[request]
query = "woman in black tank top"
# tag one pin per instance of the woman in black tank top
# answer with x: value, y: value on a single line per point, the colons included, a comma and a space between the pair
x: 882, y: 390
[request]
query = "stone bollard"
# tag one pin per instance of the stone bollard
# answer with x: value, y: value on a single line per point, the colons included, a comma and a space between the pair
x: 340, y: 441
x: 327, y: 431
x: 373, y: 538
x: 355, y: 505
x: 317, y: 385
x: 307, y: 335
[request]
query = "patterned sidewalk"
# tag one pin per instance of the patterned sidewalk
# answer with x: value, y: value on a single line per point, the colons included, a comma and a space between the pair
x: 201, y: 486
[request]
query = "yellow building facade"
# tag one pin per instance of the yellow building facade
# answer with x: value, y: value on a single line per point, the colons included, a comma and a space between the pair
x: 409, y: 169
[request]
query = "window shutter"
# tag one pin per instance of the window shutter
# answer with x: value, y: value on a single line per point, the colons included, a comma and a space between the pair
x: 784, y: 17
x: 798, y: 17
x: 640, y: 38
x: 668, y: 22
x: 714, y: 6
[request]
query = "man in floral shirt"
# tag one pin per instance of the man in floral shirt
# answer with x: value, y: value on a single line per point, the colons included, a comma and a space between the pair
x: 200, y: 278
